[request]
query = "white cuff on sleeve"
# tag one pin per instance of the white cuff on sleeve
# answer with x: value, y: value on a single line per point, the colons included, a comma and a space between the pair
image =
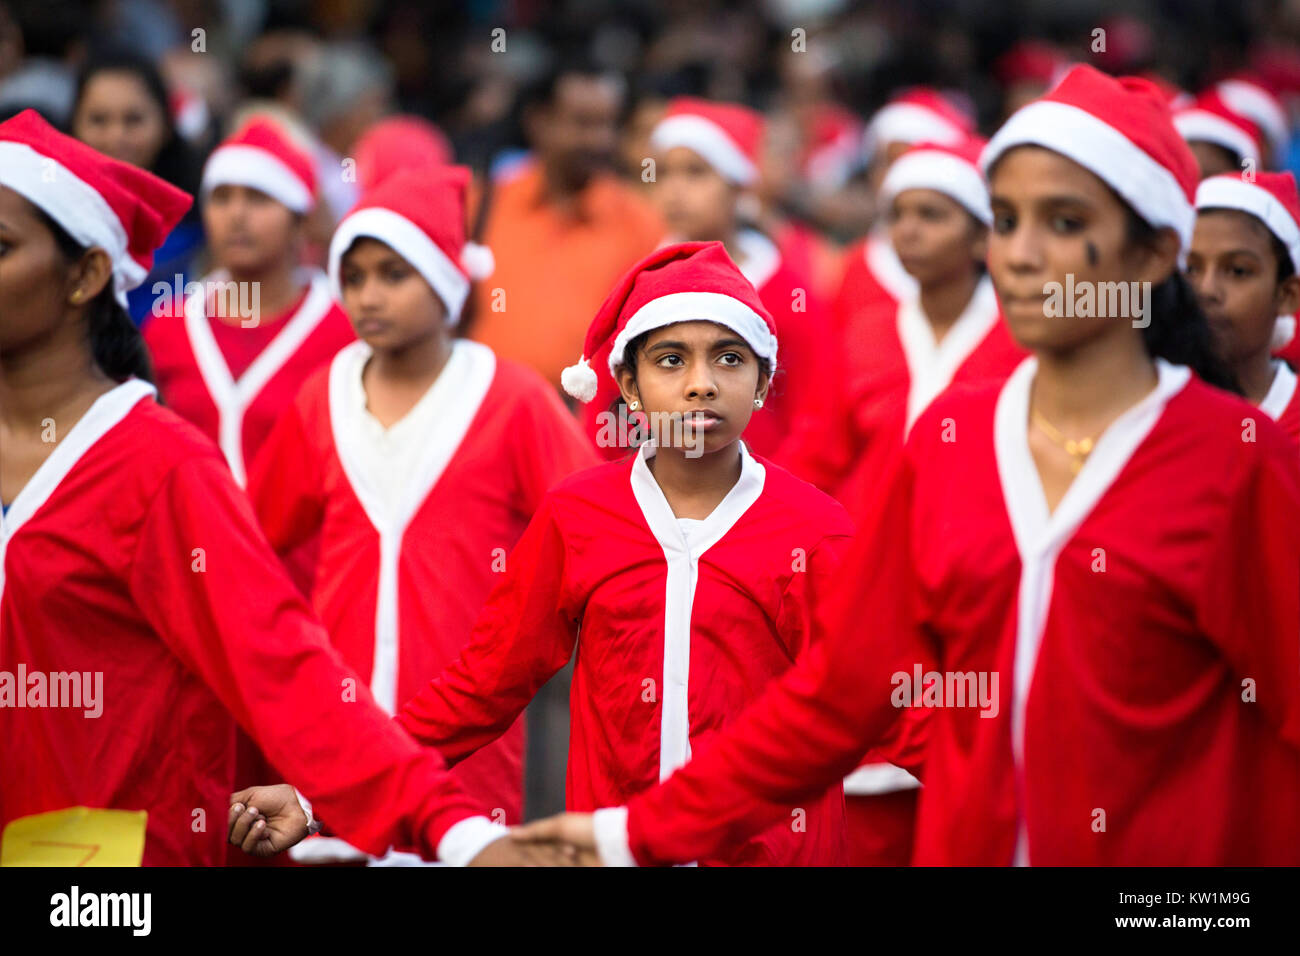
x: 612, y: 845
x: 313, y: 825
x: 466, y: 840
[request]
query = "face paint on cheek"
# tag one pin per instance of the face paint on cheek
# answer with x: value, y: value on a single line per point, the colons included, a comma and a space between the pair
x: 1091, y: 250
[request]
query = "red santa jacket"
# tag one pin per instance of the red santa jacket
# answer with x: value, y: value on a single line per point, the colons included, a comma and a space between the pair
x: 399, y: 583
x: 675, y: 630
x: 238, y: 414
x: 132, y: 554
x: 1144, y: 636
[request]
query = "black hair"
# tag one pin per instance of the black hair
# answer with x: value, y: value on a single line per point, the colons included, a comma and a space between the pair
x: 175, y: 162
x: 1177, y: 330
x: 1285, y: 267
x: 115, y: 343
x: 638, y: 343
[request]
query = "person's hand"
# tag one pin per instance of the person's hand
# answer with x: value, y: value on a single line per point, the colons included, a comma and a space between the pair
x: 573, y: 831
x: 507, y: 851
x: 266, y: 820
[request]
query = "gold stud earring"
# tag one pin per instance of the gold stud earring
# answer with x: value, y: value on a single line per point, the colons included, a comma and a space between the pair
x: 758, y: 403
x: 76, y: 296
x: 634, y: 406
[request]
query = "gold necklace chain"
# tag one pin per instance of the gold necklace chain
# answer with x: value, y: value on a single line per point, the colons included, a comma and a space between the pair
x: 1078, y: 450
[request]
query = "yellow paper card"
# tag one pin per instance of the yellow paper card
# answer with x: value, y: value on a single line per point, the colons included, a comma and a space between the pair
x: 76, y: 836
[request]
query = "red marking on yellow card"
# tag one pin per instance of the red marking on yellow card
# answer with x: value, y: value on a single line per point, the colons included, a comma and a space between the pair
x: 76, y: 836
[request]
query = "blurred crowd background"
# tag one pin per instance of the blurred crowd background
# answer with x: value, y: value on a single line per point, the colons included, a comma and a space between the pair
x: 567, y: 92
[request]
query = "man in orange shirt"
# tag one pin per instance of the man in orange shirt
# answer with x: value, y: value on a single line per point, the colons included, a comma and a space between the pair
x: 562, y: 228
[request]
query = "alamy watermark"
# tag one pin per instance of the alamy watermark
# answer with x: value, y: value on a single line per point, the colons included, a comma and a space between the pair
x: 1101, y: 300
x: 70, y: 689
x: 223, y: 298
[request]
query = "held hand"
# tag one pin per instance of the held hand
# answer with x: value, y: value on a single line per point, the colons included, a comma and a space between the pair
x: 508, y: 851
x: 572, y: 831
x: 266, y: 820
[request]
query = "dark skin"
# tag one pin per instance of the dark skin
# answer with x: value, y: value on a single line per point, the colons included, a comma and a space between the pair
x: 257, y: 240
x: 1213, y: 159
x: 47, y: 370
x: 398, y: 315
x: 705, y: 376
x: 1233, y: 267
x: 575, y: 135
x: 940, y: 244
x: 1047, y: 211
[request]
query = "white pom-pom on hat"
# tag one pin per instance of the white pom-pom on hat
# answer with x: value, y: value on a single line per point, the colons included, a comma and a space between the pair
x: 1284, y: 331
x: 580, y: 380
x: 478, y: 261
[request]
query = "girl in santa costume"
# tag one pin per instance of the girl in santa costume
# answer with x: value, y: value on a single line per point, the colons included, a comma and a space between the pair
x: 231, y: 354
x: 1099, y: 532
x: 708, y: 156
x: 1243, y: 263
x: 894, y: 359
x: 873, y: 277
x: 419, y: 458
x: 130, y: 558
x: 894, y: 362
x: 680, y: 578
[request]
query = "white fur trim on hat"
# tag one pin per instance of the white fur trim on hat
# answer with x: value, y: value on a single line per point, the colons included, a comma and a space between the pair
x: 240, y: 165
x: 944, y: 173
x: 910, y: 123
x: 709, y: 140
x: 1260, y: 107
x: 1283, y: 331
x: 75, y: 205
x: 1204, y: 126
x: 411, y: 243
x: 696, y: 307
x: 580, y: 380
x: 1151, y: 189
x: 1229, y: 192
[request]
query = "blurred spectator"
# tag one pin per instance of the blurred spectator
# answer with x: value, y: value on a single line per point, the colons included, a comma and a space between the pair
x: 345, y: 89
x: 563, y: 229
x: 38, y: 43
x: 122, y: 109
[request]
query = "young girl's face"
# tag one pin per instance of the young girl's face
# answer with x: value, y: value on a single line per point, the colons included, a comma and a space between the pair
x: 390, y: 304
x: 33, y: 274
x: 698, y: 380
x: 1233, y: 268
x: 248, y: 230
x: 697, y: 203
x: 935, y: 237
x: 1056, y: 222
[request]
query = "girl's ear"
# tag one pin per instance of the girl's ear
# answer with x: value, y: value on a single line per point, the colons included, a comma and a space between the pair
x: 764, y: 383
x: 627, y: 385
x: 1288, y: 295
x: 89, y: 276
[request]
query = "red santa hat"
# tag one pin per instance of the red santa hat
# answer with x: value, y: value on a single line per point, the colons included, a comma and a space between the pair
x: 728, y: 136
x: 920, y: 115
x: 1272, y: 198
x: 100, y: 202
x: 261, y: 156
x: 1121, y: 131
x: 1249, y: 97
x: 399, y: 142
x: 951, y: 170
x: 683, y: 282
x: 420, y: 214
x: 1210, y: 120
